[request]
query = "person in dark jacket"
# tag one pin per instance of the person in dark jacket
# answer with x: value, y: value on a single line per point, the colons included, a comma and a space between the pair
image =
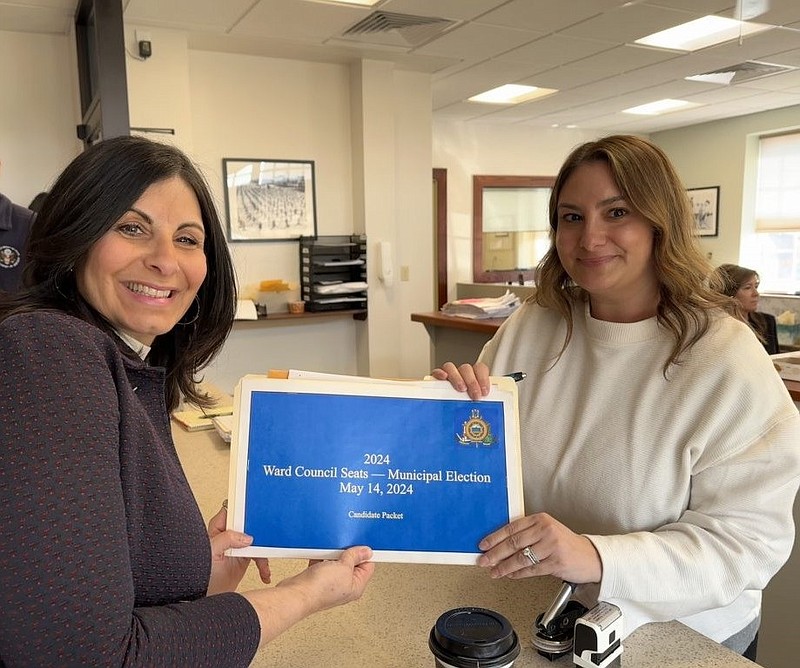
x: 128, y: 292
x: 15, y: 225
x: 742, y: 284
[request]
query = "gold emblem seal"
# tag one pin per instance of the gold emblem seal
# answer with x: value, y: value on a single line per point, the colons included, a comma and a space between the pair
x: 475, y: 430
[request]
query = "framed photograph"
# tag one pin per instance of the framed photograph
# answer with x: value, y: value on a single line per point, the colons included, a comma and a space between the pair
x: 269, y: 200
x: 705, y: 205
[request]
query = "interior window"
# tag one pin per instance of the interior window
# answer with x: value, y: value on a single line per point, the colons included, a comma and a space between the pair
x: 774, y: 249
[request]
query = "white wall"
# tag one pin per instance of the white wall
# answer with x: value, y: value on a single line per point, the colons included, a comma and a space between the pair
x: 161, y: 85
x: 469, y: 149
x: 250, y: 107
x: 367, y: 128
x: 38, y: 113
x: 721, y: 153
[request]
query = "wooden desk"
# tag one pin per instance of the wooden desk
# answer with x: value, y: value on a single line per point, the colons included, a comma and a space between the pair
x: 435, y: 319
x: 389, y: 626
x: 455, y: 339
x: 460, y: 340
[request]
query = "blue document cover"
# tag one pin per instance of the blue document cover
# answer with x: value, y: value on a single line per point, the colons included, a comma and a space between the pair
x: 416, y: 471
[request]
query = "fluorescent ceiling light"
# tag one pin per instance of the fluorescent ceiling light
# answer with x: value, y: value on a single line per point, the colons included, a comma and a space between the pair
x: 701, y: 33
x: 512, y: 94
x: 660, y: 107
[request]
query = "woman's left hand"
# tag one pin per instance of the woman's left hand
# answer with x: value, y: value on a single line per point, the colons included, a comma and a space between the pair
x: 559, y: 551
x: 227, y: 572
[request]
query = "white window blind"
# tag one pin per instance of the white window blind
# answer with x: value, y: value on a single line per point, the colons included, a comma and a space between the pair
x: 778, y: 189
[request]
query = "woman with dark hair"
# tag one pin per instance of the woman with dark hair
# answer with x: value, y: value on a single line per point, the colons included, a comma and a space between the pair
x: 129, y: 292
x: 742, y: 283
x: 659, y: 471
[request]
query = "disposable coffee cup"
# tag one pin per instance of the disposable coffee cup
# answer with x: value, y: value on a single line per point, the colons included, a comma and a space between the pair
x: 473, y: 638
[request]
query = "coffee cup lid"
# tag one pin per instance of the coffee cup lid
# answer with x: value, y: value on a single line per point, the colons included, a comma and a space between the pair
x: 474, y: 637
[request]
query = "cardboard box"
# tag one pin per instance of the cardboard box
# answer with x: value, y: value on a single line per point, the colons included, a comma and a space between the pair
x: 788, y: 365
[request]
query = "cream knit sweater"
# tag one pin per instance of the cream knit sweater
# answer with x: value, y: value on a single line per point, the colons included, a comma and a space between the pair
x: 685, y: 485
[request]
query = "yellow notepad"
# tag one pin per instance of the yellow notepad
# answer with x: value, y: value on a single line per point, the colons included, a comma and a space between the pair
x: 195, y: 419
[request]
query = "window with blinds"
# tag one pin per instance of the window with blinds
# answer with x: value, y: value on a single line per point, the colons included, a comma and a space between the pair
x: 774, y: 250
x: 778, y: 188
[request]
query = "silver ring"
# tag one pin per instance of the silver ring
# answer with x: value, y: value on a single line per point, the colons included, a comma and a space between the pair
x: 531, y: 555
x: 225, y: 504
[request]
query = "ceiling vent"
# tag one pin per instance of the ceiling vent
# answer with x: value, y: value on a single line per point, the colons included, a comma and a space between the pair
x: 747, y: 71
x: 390, y: 29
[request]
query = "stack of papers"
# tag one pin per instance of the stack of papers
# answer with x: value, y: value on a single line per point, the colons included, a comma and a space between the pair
x: 787, y: 365
x: 339, y: 287
x: 197, y: 419
x: 224, y: 426
x: 246, y: 310
x: 483, y: 307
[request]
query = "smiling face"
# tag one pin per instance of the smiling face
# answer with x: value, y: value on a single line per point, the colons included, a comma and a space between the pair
x: 747, y: 294
x: 606, y: 246
x: 143, y: 274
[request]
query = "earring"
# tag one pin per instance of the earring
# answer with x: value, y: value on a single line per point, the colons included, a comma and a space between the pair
x: 58, y: 287
x: 196, y: 313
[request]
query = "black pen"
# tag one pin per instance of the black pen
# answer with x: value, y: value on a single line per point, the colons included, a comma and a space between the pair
x: 517, y: 376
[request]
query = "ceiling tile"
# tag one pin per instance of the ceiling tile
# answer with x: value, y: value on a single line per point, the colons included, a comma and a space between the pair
x: 628, y: 24
x: 482, y: 77
x: 187, y: 14
x: 702, y: 7
x: 53, y: 20
x: 759, y: 46
x: 477, y: 41
x: 297, y: 19
x: 553, y: 50
x: 546, y: 15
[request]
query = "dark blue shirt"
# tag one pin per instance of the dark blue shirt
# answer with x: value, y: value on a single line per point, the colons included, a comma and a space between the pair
x: 15, y: 225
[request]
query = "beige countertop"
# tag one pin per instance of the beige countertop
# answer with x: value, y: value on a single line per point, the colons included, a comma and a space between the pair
x: 389, y: 626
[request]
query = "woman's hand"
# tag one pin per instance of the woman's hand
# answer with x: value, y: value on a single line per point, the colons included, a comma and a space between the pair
x: 326, y: 584
x: 472, y: 379
x: 323, y: 585
x: 559, y: 551
x: 227, y: 572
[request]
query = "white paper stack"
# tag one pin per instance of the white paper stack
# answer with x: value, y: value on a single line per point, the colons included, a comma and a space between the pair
x: 246, y: 310
x: 787, y: 365
x: 483, y: 307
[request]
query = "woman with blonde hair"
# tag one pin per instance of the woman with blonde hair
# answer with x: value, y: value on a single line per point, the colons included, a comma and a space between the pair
x: 647, y: 446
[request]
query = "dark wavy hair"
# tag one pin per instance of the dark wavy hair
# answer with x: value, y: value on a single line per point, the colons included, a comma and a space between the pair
x: 89, y: 196
x: 650, y: 184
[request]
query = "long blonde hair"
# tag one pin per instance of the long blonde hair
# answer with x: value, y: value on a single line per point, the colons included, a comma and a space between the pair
x: 651, y: 185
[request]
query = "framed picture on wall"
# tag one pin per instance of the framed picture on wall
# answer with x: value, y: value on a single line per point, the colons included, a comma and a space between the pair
x: 269, y: 200
x: 705, y: 206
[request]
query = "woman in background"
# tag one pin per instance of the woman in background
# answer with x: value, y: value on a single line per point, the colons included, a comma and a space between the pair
x: 742, y: 283
x: 659, y: 472
x: 129, y: 292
